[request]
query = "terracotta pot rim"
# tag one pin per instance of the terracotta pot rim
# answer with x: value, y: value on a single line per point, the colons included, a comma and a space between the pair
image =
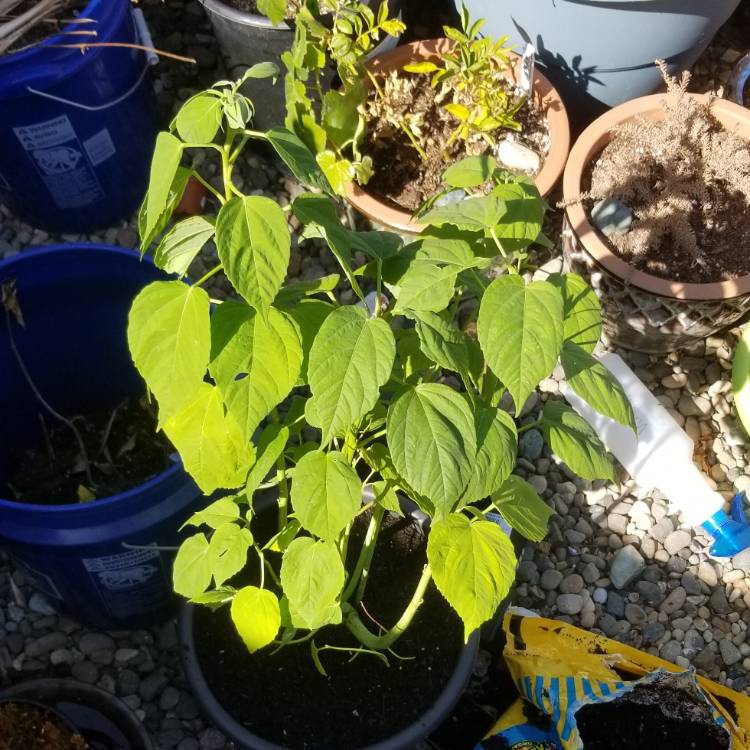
x: 385, y: 213
x: 589, y: 144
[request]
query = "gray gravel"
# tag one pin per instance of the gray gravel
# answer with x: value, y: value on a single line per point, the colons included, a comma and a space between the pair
x: 617, y: 560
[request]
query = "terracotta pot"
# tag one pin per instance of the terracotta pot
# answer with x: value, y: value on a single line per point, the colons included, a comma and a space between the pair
x: 400, y: 220
x: 642, y: 311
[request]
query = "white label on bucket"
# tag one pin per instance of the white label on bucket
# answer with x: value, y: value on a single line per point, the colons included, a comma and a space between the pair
x: 99, y: 147
x: 131, y: 583
x: 45, y: 134
x: 58, y: 156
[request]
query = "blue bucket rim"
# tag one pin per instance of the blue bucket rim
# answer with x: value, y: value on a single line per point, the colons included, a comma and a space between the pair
x: 69, y: 59
x: 167, y: 474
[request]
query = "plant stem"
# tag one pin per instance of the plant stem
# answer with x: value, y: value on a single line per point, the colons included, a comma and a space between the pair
x: 359, y: 575
x: 283, y: 491
x: 505, y: 255
x: 211, y: 189
x: 379, y: 643
x: 68, y: 422
x: 529, y: 426
x: 203, y: 279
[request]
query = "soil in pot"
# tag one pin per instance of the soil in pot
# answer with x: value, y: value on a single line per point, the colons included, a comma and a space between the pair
x: 251, y: 6
x: 687, y: 181
x: 403, y: 176
x: 25, y: 726
x: 651, y: 717
x: 122, y: 450
x: 284, y: 699
x: 40, y: 27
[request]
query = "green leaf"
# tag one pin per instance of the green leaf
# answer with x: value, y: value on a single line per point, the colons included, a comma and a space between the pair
x: 378, y: 245
x: 497, y: 443
x: 270, y: 447
x: 215, y: 598
x: 421, y: 67
x: 384, y: 494
x: 447, y: 251
x: 261, y: 70
x: 741, y: 378
x: 155, y: 228
x: 228, y: 551
x: 425, y: 287
x: 473, y: 564
x: 256, y: 361
x: 522, y: 508
x: 296, y: 290
x: 309, y: 314
x: 224, y: 510
x: 210, y: 442
x: 164, y: 165
x: 191, y: 574
x: 581, y: 308
x: 199, y: 118
x: 255, y: 613
x: 169, y: 339
x: 520, y: 330
x: 448, y: 347
x: 351, y: 358
x: 472, y: 214
x: 470, y: 172
x: 339, y: 172
x: 596, y: 385
x: 326, y: 493
x: 182, y: 243
x: 522, y: 221
x: 432, y: 439
x: 280, y: 541
x: 340, y: 114
x: 274, y: 10
x: 312, y: 576
x: 253, y: 240
x: 575, y: 442
x: 412, y: 361
x: 298, y: 157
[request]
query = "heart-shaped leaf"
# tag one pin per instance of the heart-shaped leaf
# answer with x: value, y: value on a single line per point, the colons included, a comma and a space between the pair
x: 522, y: 508
x: 255, y: 613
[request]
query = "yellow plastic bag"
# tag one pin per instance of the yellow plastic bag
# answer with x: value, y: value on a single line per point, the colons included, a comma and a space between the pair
x: 559, y: 668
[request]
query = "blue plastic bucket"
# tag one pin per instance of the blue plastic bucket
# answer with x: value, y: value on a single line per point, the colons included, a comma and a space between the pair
x: 98, y: 561
x: 77, y: 130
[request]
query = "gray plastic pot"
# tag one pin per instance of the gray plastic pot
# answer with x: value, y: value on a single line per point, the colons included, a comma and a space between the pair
x: 244, y: 739
x: 246, y: 39
x: 601, y: 53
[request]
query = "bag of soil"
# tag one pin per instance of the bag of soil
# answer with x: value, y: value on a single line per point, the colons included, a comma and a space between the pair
x: 582, y: 691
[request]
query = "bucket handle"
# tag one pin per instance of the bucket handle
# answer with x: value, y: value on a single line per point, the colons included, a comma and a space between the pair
x: 144, y: 37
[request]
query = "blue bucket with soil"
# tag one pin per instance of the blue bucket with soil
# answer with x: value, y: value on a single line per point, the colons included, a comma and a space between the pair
x: 101, y: 560
x: 77, y: 128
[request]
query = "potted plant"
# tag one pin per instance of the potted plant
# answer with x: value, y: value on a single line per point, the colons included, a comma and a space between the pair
x: 352, y: 413
x: 384, y: 138
x: 77, y: 113
x: 88, y: 499
x: 596, y: 53
x: 251, y: 32
x: 661, y: 254
x: 54, y: 714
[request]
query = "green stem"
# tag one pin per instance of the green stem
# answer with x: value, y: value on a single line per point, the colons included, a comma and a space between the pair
x: 529, y: 426
x: 505, y: 255
x: 211, y: 189
x: 203, y: 279
x: 362, y: 568
x: 382, y: 642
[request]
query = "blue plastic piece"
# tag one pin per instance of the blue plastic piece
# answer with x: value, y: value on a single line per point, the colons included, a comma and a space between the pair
x: 77, y: 129
x: 85, y: 557
x: 731, y: 534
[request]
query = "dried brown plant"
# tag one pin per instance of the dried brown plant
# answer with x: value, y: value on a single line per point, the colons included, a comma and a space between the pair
x: 683, y: 176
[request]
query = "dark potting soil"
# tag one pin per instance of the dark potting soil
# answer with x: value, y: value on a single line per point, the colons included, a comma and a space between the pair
x: 52, y: 23
x: 401, y: 176
x: 651, y: 717
x: 122, y: 447
x: 251, y: 6
x: 284, y: 699
x: 24, y: 726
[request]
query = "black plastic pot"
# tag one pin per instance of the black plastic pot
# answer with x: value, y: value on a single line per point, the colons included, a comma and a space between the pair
x: 246, y: 740
x: 103, y: 720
